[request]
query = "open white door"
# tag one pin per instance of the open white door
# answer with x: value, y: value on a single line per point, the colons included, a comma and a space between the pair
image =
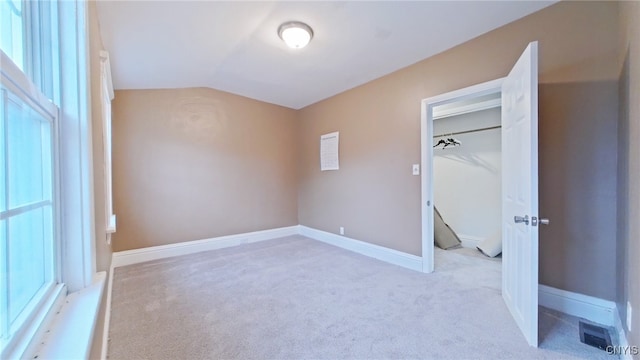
x: 520, y: 192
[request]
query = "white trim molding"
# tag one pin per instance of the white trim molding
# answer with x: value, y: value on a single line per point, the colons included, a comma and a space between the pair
x: 391, y: 256
x: 71, y: 330
x: 426, y: 157
x: 128, y: 257
x: 591, y: 308
x: 77, y: 219
x: 455, y: 109
x: 106, y: 96
x: 106, y: 73
x: 28, y: 341
x: 600, y: 311
x: 622, y: 338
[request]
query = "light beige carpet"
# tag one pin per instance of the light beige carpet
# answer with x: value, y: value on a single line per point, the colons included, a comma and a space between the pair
x: 296, y: 298
x: 475, y: 253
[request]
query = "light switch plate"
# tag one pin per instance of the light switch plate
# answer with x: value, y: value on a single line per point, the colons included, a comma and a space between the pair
x: 416, y: 169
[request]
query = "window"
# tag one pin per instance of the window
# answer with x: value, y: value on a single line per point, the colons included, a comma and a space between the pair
x: 11, y: 37
x: 107, y: 95
x: 27, y: 235
x: 45, y: 196
x: 28, y: 122
x: 27, y: 37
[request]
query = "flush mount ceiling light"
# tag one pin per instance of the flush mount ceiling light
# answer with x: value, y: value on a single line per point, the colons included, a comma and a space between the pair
x: 295, y: 34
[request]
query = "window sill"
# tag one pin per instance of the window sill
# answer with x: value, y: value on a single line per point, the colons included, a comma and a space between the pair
x: 70, y: 333
x: 24, y: 340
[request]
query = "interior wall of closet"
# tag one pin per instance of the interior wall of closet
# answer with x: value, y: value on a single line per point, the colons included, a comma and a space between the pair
x: 467, y: 173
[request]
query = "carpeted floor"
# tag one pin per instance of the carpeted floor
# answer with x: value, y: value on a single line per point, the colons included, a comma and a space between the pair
x: 475, y: 253
x: 296, y: 298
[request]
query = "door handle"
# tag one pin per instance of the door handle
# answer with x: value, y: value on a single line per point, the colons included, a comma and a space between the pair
x: 535, y: 221
x: 521, y: 219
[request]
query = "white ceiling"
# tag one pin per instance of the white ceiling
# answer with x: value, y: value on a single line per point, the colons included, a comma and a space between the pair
x: 234, y: 46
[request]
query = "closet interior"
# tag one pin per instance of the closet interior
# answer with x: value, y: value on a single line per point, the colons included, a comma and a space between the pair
x: 467, y: 176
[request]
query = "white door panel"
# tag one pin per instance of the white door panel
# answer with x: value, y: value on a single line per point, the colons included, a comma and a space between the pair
x: 520, y: 192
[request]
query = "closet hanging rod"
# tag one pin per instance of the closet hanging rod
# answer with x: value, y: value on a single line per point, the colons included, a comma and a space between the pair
x: 468, y: 131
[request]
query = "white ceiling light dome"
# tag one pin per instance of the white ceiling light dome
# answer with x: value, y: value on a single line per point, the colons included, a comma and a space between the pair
x: 295, y: 34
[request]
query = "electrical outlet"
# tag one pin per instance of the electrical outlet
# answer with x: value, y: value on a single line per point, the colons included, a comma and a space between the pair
x: 629, y: 316
x: 416, y: 169
x: 341, y: 230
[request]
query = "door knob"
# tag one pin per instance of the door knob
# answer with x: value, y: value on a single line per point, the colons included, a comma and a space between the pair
x: 521, y: 219
x: 535, y: 220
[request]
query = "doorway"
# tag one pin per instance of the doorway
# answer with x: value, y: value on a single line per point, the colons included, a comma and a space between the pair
x: 520, y: 219
x: 467, y: 178
x: 430, y: 108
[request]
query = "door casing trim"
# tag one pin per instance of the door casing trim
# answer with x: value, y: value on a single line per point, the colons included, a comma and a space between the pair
x: 426, y: 157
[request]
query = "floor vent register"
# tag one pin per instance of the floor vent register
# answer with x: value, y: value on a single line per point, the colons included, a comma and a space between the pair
x: 594, y: 335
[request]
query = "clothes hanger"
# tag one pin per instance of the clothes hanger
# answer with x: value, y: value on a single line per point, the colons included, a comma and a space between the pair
x: 454, y: 141
x: 440, y: 142
x: 450, y: 141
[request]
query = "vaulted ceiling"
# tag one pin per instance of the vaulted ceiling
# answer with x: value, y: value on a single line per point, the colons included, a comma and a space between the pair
x: 234, y: 46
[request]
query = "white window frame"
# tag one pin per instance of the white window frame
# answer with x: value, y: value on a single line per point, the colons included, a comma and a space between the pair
x: 75, y: 219
x: 75, y: 150
x: 107, y: 94
x: 24, y: 89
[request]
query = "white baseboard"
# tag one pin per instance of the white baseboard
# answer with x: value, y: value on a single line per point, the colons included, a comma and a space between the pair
x: 128, y: 257
x: 603, y: 312
x: 622, y: 338
x: 591, y: 308
x: 395, y: 257
x: 469, y: 241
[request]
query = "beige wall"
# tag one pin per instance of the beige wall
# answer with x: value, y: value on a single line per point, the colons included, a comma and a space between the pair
x: 577, y: 183
x: 628, y: 269
x: 377, y: 200
x: 103, y: 250
x: 198, y: 163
